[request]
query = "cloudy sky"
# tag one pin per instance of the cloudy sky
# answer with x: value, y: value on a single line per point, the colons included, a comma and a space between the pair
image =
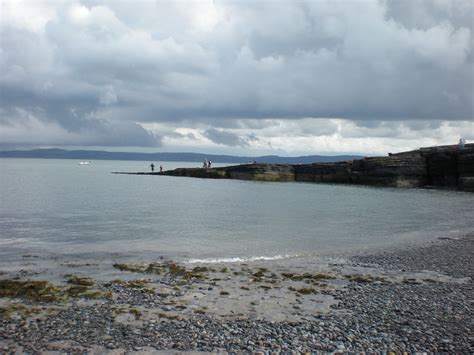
x: 236, y: 77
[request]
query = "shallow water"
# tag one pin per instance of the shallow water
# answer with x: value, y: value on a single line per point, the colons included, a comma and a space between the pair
x: 58, y: 208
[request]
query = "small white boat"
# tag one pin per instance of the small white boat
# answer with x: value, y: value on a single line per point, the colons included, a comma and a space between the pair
x: 84, y: 163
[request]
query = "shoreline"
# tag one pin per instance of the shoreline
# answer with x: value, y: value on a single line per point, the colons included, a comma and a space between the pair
x: 398, y: 299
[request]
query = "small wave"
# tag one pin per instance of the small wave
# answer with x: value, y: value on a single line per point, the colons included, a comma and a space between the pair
x: 239, y: 259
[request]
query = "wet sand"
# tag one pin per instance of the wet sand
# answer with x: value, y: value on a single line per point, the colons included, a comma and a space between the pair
x: 416, y: 298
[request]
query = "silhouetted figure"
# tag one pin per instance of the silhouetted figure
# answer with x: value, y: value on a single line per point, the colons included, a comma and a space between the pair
x: 209, y: 164
x: 152, y: 167
x: 161, y: 168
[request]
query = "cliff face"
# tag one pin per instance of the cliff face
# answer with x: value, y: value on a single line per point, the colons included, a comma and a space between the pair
x: 440, y: 167
x: 325, y: 172
x: 261, y: 172
x: 466, y: 170
x: 396, y: 171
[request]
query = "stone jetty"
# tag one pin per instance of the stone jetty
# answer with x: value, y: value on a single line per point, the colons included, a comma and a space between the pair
x: 449, y: 167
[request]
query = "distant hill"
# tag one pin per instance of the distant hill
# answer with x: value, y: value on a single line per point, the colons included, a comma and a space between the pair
x: 185, y: 157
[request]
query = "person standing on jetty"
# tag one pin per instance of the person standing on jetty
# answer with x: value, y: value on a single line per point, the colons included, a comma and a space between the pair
x: 209, y: 164
x: 161, y: 168
x: 152, y: 167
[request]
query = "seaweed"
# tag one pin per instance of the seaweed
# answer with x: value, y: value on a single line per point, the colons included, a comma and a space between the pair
x: 170, y: 268
x: 303, y: 290
x: 202, y: 269
x: 80, y: 280
x: 19, y: 309
x: 411, y: 281
x: 141, y: 284
x: 307, y: 276
x: 364, y: 278
x: 129, y: 267
x: 306, y: 290
x: 136, y: 312
x: 36, y: 291
x: 168, y: 316
x: 44, y: 291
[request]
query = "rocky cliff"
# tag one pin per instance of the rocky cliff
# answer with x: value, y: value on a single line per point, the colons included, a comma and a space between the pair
x: 440, y: 167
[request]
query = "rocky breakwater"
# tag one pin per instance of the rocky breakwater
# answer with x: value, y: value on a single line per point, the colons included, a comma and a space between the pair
x: 448, y: 167
x: 405, y: 171
x: 256, y: 172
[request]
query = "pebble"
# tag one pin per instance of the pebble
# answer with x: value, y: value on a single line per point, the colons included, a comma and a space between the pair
x: 398, y: 317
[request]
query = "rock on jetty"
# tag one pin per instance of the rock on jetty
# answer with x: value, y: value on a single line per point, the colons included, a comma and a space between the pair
x: 448, y: 167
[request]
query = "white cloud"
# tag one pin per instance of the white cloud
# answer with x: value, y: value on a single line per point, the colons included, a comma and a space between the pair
x: 315, y: 136
x: 247, y: 75
x: 31, y: 15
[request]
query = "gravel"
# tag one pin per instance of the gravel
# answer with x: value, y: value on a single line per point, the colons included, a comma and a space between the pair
x: 375, y: 316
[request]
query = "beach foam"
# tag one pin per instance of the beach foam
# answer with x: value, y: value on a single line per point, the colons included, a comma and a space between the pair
x: 240, y: 259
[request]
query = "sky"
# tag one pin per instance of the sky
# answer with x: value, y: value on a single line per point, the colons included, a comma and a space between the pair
x: 236, y: 77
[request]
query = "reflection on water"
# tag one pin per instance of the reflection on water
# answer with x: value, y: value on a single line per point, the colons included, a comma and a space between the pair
x: 60, y: 207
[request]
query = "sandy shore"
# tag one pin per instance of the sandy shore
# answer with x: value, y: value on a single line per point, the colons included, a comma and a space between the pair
x: 412, y: 299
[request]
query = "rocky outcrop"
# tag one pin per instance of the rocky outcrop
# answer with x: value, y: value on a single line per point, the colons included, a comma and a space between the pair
x: 258, y: 172
x: 450, y: 167
x: 261, y: 172
x: 466, y: 170
x: 339, y: 172
x: 439, y: 167
x: 215, y: 173
x: 395, y: 171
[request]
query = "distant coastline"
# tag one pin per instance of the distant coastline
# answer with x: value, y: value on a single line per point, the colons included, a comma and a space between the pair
x: 181, y: 157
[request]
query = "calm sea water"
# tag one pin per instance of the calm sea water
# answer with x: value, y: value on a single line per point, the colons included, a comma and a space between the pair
x: 59, y: 207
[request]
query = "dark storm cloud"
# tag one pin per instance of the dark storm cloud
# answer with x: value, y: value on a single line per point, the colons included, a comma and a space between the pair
x: 226, y: 138
x: 31, y: 127
x: 92, y: 71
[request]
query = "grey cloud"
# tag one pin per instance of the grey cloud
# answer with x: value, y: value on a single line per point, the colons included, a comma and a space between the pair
x: 258, y: 124
x: 122, y: 134
x: 428, y: 13
x: 423, y: 125
x: 174, y: 134
x: 411, y: 129
x: 227, y: 138
x: 384, y: 129
x: 21, y: 126
x: 124, y: 62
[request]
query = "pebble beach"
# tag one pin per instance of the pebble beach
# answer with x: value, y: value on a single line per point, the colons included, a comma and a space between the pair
x: 411, y: 299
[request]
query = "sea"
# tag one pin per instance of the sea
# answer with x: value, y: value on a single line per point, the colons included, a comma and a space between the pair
x: 58, y: 208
